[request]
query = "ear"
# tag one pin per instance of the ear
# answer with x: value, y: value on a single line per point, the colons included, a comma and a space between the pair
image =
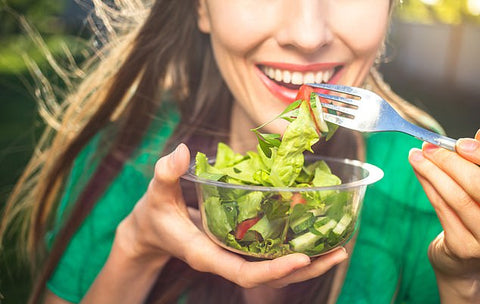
x: 203, y: 22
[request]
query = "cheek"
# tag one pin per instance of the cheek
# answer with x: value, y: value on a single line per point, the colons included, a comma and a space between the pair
x: 240, y: 27
x: 362, y: 25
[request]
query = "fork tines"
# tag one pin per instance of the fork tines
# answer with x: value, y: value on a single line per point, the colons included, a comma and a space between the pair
x: 349, y: 110
x: 330, y: 106
x: 337, y: 88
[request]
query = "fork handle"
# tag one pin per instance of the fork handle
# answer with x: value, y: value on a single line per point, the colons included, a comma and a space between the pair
x: 446, y: 142
x: 431, y: 137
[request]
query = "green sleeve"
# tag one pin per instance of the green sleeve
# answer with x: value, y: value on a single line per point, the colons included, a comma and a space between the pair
x: 390, y: 263
x: 90, y: 246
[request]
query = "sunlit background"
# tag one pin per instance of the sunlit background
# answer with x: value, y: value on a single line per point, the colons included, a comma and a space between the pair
x: 432, y: 59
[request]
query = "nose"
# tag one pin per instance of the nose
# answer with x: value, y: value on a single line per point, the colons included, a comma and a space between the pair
x: 305, y: 25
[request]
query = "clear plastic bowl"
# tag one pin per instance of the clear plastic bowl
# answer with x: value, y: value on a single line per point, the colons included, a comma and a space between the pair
x: 324, y: 219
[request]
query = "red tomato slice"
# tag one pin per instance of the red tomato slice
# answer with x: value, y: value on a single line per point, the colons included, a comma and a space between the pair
x: 244, y: 226
x: 304, y: 93
x: 297, y: 199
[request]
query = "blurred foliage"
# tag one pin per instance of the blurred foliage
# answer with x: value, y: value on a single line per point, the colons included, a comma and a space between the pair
x: 45, y: 15
x: 16, y: 48
x: 439, y: 11
x: 35, y: 29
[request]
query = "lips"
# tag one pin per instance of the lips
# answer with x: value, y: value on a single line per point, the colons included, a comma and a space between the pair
x: 284, y: 80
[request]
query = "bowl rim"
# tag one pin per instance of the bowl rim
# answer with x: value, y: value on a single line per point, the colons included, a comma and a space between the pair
x: 374, y: 175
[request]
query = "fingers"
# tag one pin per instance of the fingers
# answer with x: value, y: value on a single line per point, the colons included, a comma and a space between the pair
x: 448, y: 218
x: 263, y: 272
x: 163, y: 207
x: 456, y: 236
x: 204, y: 255
x: 318, y: 267
x: 463, y: 171
x: 165, y: 186
x: 447, y: 184
x: 469, y: 148
x: 169, y: 168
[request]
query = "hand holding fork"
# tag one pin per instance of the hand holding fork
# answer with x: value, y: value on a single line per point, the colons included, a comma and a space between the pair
x: 450, y: 180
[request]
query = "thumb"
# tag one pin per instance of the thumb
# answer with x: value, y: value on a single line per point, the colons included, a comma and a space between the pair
x: 169, y: 168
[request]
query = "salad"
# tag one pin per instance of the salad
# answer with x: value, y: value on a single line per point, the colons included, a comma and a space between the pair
x: 270, y: 224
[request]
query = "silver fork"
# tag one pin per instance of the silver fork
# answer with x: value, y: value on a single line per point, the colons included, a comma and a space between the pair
x: 371, y: 113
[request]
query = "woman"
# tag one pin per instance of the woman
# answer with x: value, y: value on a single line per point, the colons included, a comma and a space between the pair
x: 209, y: 72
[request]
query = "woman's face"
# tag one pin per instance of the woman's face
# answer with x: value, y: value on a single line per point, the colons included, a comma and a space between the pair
x: 265, y: 49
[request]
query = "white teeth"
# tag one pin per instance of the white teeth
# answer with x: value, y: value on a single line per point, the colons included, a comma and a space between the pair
x: 298, y: 78
x: 327, y: 75
x: 270, y: 72
x: 309, y: 78
x: 278, y: 75
x: 287, y: 77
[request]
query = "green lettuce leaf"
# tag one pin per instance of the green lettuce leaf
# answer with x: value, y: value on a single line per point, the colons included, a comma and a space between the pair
x: 249, y: 205
x: 204, y: 170
x: 299, y: 137
x: 218, y: 222
x: 269, y: 229
x: 226, y: 157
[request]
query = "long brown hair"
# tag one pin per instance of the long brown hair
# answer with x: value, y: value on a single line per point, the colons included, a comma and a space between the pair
x: 130, y: 74
x: 126, y: 82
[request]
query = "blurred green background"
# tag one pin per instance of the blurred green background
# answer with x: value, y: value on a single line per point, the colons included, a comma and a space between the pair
x: 431, y: 60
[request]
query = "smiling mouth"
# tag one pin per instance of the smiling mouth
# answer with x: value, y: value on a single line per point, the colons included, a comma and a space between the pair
x: 294, y: 79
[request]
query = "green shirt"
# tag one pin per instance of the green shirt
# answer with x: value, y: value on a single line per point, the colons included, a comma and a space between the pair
x: 390, y: 256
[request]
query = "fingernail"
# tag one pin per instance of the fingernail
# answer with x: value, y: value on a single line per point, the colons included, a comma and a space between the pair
x: 343, y: 250
x: 174, y: 152
x: 344, y: 254
x: 416, y: 155
x: 303, y: 259
x: 429, y: 148
x: 468, y: 144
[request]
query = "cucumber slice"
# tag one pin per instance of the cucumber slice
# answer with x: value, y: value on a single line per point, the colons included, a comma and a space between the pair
x: 302, y: 223
x: 316, y: 106
x: 304, y: 241
x: 342, y: 224
x: 326, y: 228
